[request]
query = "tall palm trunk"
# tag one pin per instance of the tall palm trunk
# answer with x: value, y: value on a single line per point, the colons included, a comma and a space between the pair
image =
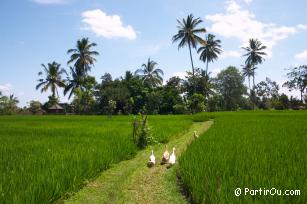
x: 207, y: 68
x: 53, y: 90
x: 253, y: 81
x: 249, y: 84
x: 192, y: 66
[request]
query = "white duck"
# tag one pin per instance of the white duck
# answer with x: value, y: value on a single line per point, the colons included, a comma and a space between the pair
x: 195, y: 135
x: 172, y: 158
x: 165, y: 156
x: 152, y: 159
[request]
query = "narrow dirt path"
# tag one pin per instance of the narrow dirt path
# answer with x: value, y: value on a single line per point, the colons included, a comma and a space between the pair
x: 132, y: 181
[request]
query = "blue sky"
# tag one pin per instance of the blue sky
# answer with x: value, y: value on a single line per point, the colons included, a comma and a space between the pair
x: 128, y: 32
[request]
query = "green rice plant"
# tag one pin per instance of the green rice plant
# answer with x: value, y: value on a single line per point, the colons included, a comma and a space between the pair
x: 165, y: 127
x: 248, y: 150
x: 43, y: 158
x: 201, y: 117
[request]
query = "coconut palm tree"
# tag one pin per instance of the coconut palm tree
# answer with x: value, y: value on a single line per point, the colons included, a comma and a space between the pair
x: 150, y: 75
x: 53, y: 78
x: 255, y: 54
x: 210, y: 51
x: 249, y: 71
x: 188, y: 35
x: 83, y: 56
x: 74, y: 83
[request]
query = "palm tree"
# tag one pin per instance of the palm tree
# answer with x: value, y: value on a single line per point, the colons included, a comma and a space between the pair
x: 208, y: 84
x: 149, y: 74
x: 74, y: 83
x: 83, y: 56
x: 53, y: 78
x: 249, y: 71
x: 210, y: 51
x: 255, y: 54
x: 187, y: 34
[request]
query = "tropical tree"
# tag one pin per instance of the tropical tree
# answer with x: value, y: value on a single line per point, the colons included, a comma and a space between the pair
x: 197, y: 103
x: 35, y: 107
x: 297, y: 79
x: 82, y: 56
x: 83, y: 101
x: 248, y: 71
x: 202, y: 83
x: 8, y: 104
x: 229, y: 84
x: 210, y: 51
x: 78, y: 82
x: 53, y: 78
x: 255, y: 54
x: 188, y: 34
x: 150, y: 75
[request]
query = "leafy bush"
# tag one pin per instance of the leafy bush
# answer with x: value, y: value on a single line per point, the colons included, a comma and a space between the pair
x: 142, y: 136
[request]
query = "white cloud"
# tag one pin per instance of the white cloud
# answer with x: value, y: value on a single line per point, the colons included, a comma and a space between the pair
x: 48, y: 2
x: 106, y: 26
x: 301, y: 56
x: 243, y: 25
x: 6, y: 89
x: 181, y: 75
x: 230, y: 53
x: 248, y: 1
x: 301, y: 26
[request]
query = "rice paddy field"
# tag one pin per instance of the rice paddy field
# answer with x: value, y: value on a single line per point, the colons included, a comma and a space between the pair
x: 248, y: 150
x: 43, y: 158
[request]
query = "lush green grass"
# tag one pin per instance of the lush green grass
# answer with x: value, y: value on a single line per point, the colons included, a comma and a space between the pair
x: 42, y: 157
x: 132, y: 181
x: 248, y: 150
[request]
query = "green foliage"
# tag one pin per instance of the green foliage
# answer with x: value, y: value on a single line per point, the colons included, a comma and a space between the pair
x: 214, y: 103
x: 277, y: 105
x: 200, y: 83
x: 82, y: 56
x: 247, y: 150
x: 35, y: 107
x: 111, y: 107
x: 196, y: 103
x: 52, y: 100
x: 188, y: 35
x: 180, y: 109
x: 142, y: 136
x: 255, y: 55
x: 201, y: 117
x: 8, y: 104
x: 210, y: 51
x: 284, y: 100
x: 83, y: 102
x: 53, y: 78
x: 150, y: 75
x: 297, y: 79
x: 229, y: 83
x: 45, y: 157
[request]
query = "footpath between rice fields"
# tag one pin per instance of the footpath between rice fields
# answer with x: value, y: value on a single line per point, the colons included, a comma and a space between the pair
x: 132, y: 181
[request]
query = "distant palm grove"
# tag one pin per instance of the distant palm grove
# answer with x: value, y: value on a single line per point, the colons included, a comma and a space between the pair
x: 143, y: 90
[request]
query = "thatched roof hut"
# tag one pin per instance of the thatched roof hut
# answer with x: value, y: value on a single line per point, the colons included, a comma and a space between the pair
x: 56, y: 108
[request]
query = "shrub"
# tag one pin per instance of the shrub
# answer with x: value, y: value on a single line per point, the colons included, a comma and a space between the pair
x: 142, y: 136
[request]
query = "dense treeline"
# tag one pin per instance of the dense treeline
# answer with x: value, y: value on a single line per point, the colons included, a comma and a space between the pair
x: 143, y: 89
